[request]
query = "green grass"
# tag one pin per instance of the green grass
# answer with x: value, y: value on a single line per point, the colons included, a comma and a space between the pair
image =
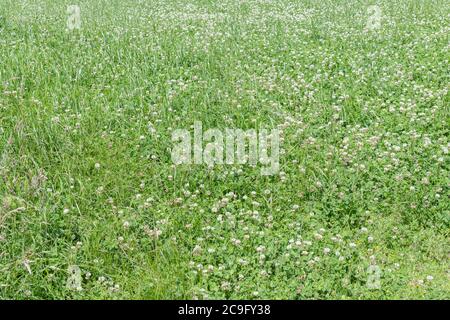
x: 365, y: 119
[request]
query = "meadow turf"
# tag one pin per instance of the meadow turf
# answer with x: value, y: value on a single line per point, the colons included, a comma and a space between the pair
x: 359, y: 210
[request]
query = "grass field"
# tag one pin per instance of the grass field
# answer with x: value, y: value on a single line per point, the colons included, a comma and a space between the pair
x: 93, y: 207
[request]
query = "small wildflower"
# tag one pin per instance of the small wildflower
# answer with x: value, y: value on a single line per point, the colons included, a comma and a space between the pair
x: 225, y: 286
x: 197, y: 250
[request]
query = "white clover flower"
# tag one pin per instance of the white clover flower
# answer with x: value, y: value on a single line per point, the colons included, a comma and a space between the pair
x: 197, y: 250
x: 225, y: 286
x: 236, y: 242
x: 242, y: 261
